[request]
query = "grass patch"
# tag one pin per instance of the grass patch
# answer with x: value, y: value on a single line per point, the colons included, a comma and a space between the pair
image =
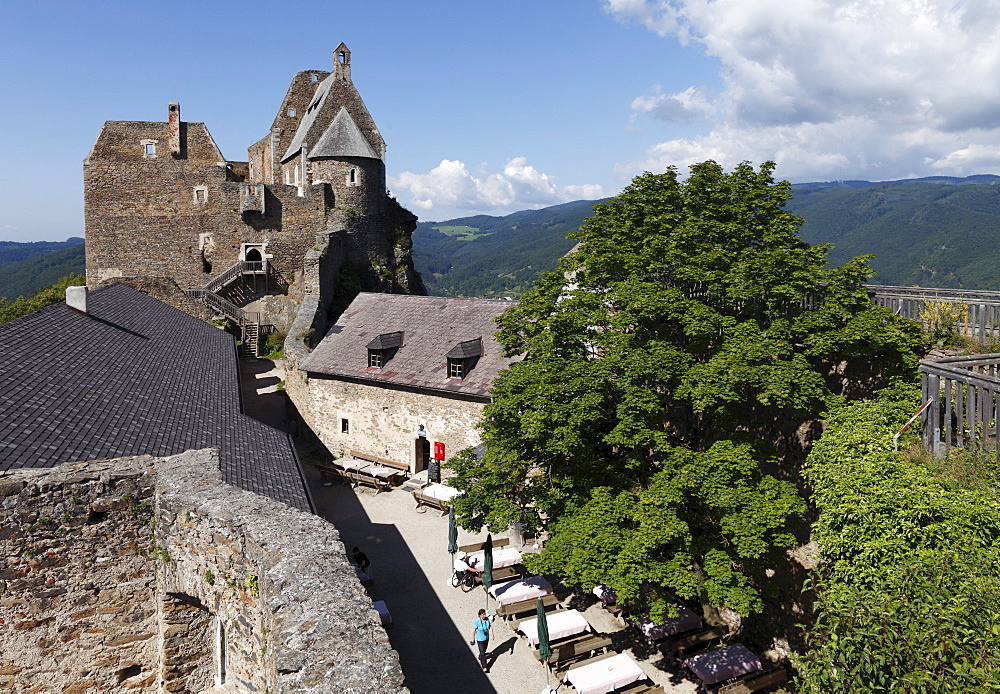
x: 463, y: 233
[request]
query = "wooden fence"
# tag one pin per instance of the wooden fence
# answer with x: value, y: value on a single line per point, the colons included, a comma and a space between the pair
x: 964, y: 395
x: 980, y: 310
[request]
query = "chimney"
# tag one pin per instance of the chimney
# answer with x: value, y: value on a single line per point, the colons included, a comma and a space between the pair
x: 76, y: 298
x: 174, y: 127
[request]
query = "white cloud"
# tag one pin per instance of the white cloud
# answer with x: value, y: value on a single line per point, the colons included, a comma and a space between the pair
x: 827, y: 88
x: 449, y: 189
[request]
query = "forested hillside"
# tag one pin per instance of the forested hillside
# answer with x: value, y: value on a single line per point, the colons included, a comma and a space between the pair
x: 495, y: 256
x: 938, y: 232
x: 45, y: 264
x: 935, y: 232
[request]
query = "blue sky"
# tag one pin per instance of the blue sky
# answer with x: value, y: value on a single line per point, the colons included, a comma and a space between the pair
x: 496, y: 107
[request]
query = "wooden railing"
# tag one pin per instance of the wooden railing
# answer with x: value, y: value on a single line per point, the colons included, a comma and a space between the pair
x: 964, y: 395
x: 980, y: 309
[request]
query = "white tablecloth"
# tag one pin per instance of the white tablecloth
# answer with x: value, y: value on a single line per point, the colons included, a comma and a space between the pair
x: 381, y: 472
x: 352, y: 464
x: 561, y: 624
x: 605, y: 675
x: 504, y: 556
x: 525, y: 589
x: 441, y: 492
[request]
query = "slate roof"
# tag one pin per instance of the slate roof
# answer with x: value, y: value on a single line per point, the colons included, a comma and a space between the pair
x: 432, y: 327
x: 343, y: 139
x: 133, y: 376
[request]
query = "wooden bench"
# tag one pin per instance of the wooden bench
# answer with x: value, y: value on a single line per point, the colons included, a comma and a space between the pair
x: 514, y: 609
x: 588, y: 661
x: 674, y: 646
x: 564, y: 654
x: 478, y: 547
x: 506, y: 573
x: 755, y: 682
x: 404, y: 468
x: 424, y: 500
x: 643, y: 688
x: 354, y: 478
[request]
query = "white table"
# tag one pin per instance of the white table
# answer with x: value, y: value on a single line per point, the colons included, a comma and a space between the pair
x: 381, y: 472
x: 352, y: 464
x: 561, y: 624
x: 524, y: 589
x: 605, y: 675
x: 441, y: 492
x: 504, y: 556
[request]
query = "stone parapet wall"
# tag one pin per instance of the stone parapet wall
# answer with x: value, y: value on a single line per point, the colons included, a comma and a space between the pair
x: 153, y: 575
x: 78, y: 606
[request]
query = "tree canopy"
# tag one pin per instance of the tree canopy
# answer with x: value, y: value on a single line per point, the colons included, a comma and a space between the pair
x: 690, y: 320
x: 908, y: 586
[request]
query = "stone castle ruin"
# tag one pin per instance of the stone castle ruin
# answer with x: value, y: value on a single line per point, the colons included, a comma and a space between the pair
x: 149, y: 573
x: 307, y: 214
x: 153, y: 575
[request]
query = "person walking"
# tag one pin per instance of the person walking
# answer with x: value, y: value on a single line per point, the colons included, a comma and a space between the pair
x: 481, y: 637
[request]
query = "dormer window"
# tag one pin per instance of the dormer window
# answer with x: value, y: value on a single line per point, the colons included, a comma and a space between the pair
x: 462, y: 357
x: 383, y: 348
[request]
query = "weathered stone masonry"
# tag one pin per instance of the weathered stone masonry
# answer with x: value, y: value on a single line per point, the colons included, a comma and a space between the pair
x: 153, y: 575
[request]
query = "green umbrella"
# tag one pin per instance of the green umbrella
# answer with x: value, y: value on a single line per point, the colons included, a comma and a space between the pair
x: 452, y: 531
x: 544, y: 649
x: 488, y: 565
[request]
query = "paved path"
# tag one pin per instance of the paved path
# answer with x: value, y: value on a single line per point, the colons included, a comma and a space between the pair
x: 411, y: 568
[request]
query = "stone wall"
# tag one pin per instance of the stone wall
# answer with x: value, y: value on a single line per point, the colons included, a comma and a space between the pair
x: 78, y: 608
x: 180, y: 217
x: 153, y: 575
x: 382, y: 420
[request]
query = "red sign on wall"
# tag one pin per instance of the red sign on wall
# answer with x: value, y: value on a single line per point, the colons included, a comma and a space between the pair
x: 439, y: 450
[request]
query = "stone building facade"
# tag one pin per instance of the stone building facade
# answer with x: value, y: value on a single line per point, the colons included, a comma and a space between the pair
x: 398, y: 377
x: 153, y: 575
x: 161, y: 200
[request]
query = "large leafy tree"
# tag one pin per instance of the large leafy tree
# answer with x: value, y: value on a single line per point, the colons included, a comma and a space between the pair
x: 690, y: 319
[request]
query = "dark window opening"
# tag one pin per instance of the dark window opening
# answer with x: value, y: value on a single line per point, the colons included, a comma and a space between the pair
x: 342, y: 57
x: 345, y: 426
x: 462, y: 357
x: 206, y: 266
x: 354, y: 176
x: 253, y: 255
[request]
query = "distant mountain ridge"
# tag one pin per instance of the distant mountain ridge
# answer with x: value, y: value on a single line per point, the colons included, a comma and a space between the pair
x: 38, y: 265
x: 937, y: 231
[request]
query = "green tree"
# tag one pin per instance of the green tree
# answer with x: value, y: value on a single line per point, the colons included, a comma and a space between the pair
x: 54, y: 293
x: 691, y: 323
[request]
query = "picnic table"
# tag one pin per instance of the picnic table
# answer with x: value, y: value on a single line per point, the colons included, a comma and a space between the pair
x: 561, y: 624
x: 686, y: 620
x: 523, y: 589
x: 441, y: 492
x: 502, y: 557
x: 351, y: 464
x: 724, y: 663
x: 604, y: 675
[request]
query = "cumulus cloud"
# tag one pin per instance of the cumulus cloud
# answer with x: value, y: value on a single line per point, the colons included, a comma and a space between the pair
x: 827, y: 88
x: 450, y: 189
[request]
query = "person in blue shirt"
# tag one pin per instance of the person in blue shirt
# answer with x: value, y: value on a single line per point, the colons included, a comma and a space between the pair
x: 481, y: 637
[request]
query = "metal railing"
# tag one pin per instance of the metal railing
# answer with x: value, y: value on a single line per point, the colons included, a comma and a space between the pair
x: 965, y: 403
x: 223, y: 307
x: 234, y: 272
